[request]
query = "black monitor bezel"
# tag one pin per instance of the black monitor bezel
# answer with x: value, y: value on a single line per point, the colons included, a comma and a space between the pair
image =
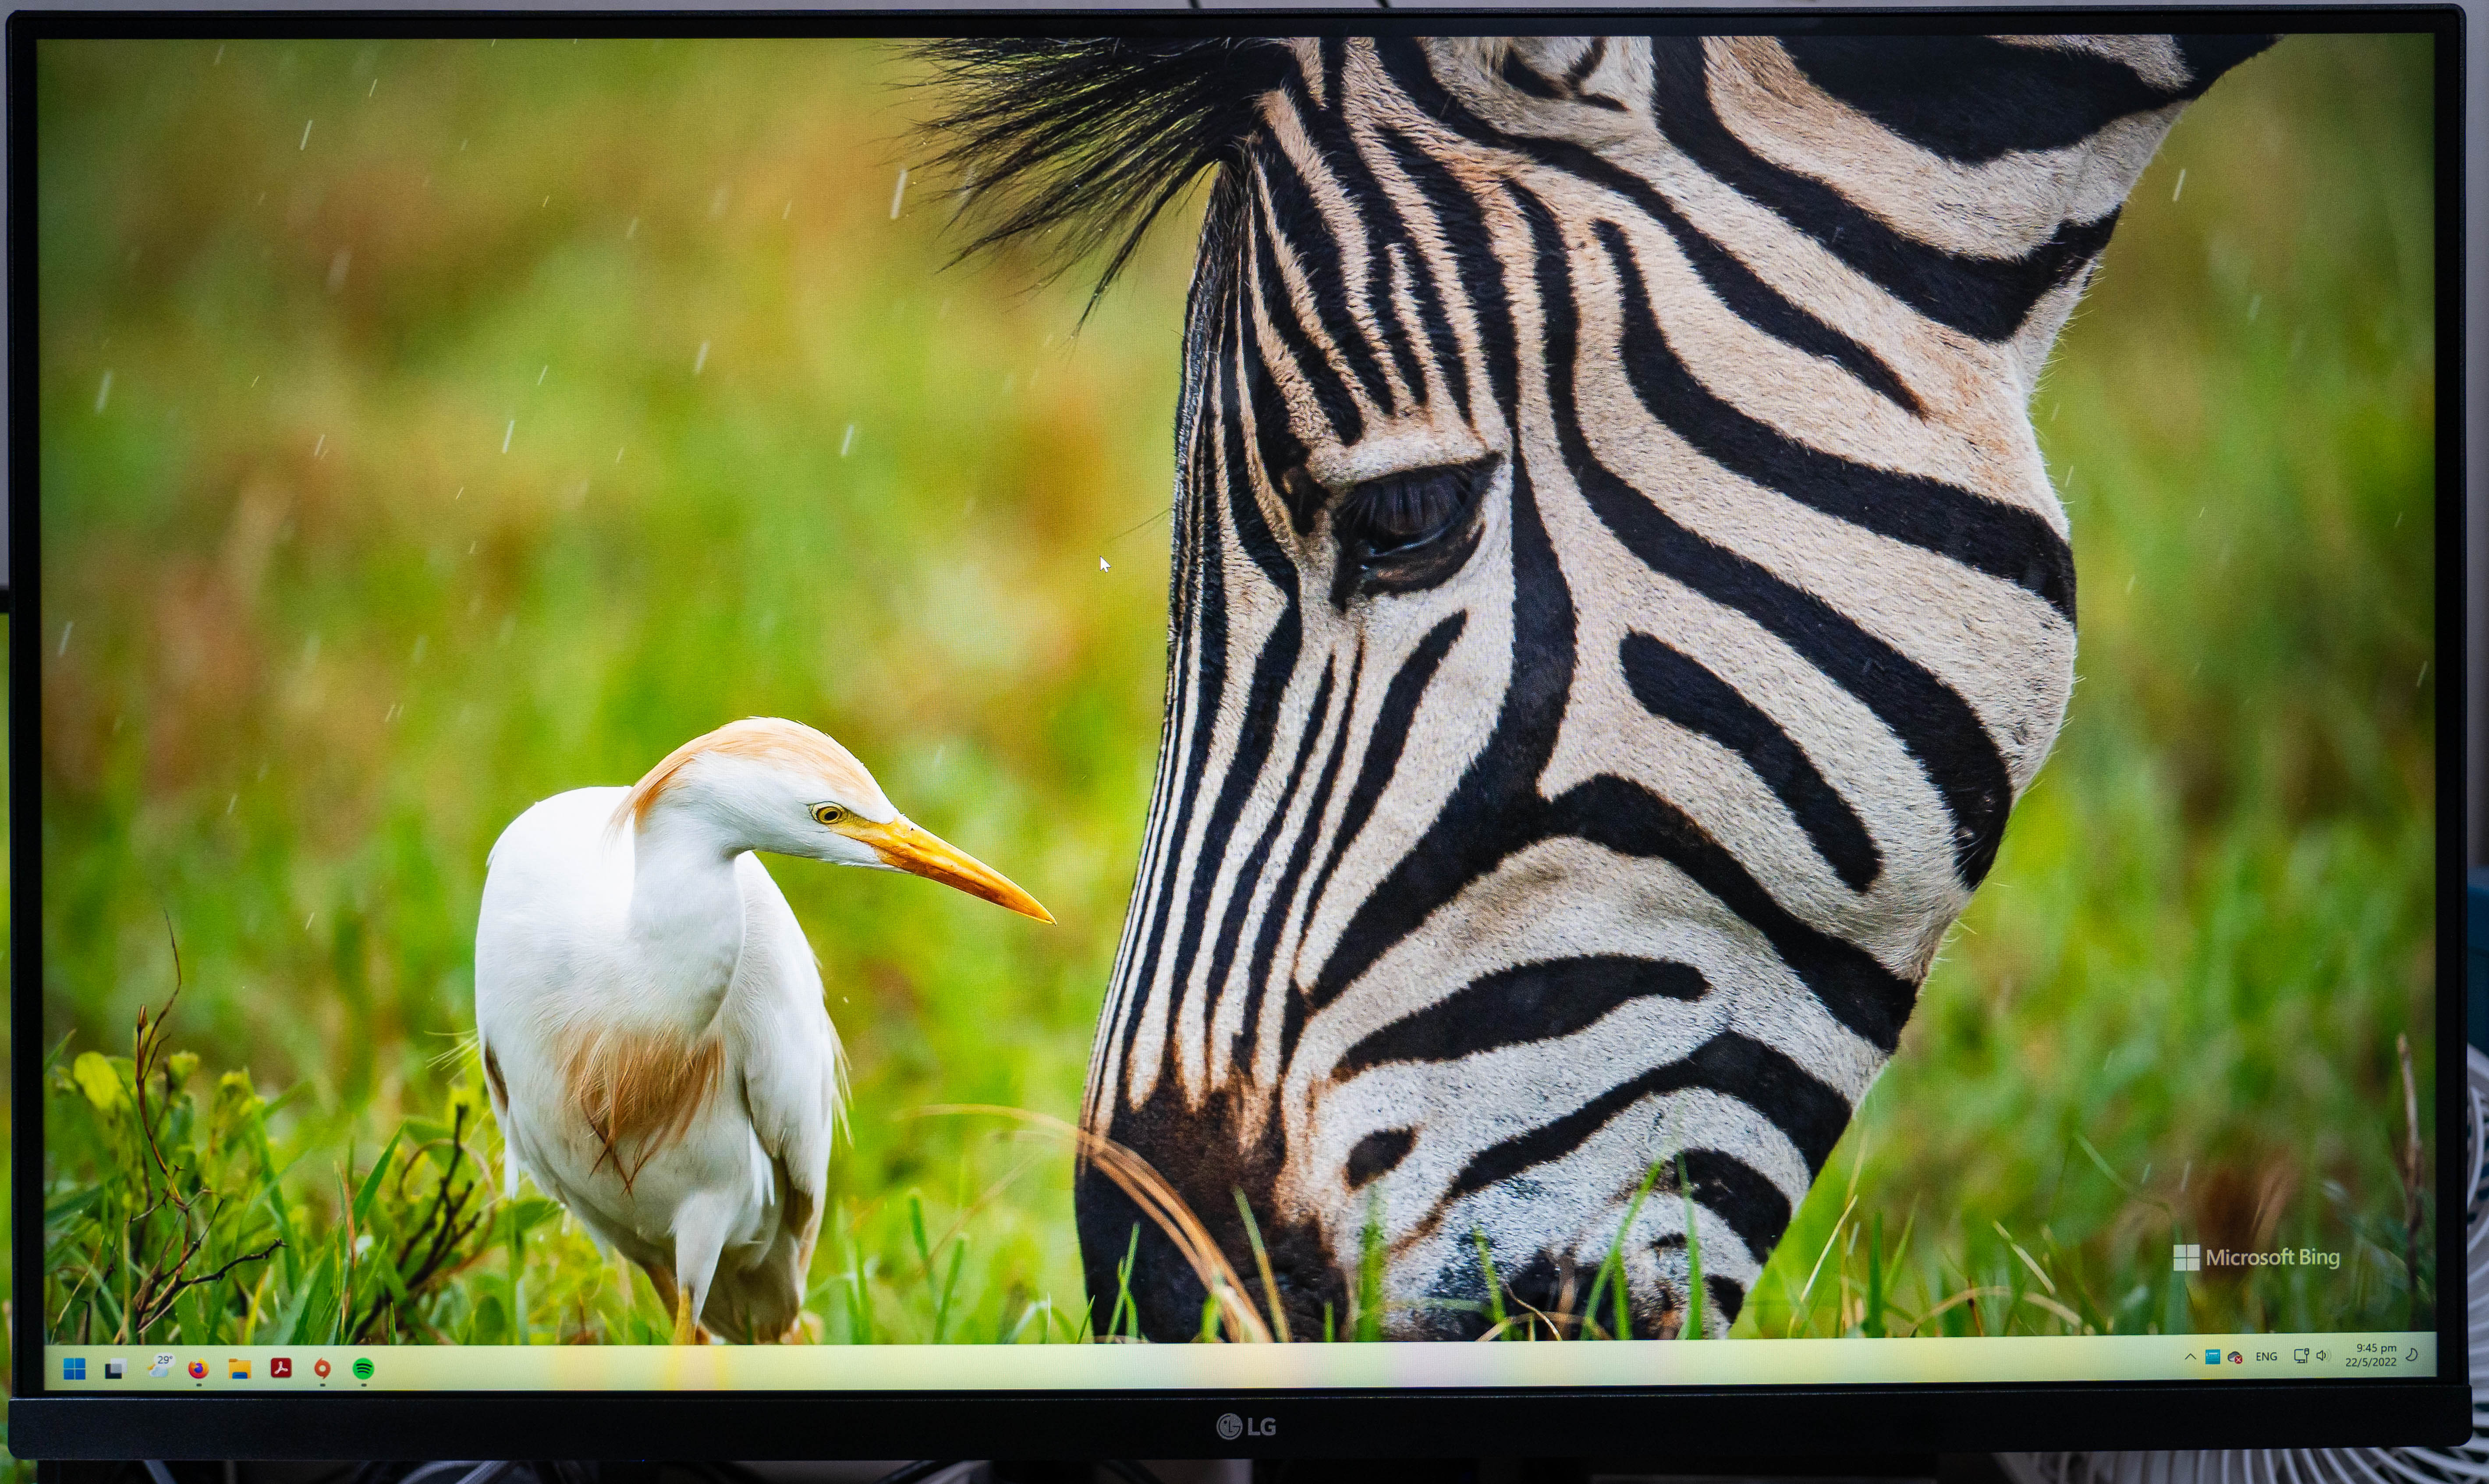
x: 1901, y: 1417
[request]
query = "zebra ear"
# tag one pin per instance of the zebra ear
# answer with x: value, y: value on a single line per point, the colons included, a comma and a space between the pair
x: 1078, y: 144
x: 2208, y: 57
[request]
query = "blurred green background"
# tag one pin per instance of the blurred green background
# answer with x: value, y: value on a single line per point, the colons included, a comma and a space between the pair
x: 430, y: 427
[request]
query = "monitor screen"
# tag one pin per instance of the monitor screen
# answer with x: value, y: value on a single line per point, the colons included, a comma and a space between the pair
x: 1211, y: 714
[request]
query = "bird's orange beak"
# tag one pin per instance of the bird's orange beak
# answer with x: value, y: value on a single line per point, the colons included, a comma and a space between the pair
x: 905, y: 845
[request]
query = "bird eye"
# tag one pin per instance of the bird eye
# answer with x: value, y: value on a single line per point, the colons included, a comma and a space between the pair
x: 828, y: 814
x: 1408, y: 530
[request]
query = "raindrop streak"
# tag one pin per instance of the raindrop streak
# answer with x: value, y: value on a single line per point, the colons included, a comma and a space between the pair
x: 540, y: 375
x: 230, y: 801
x: 376, y: 87
x: 66, y: 630
x: 2182, y: 184
x: 2254, y: 303
x: 701, y: 359
x: 337, y: 266
x: 461, y: 495
x: 617, y: 454
x: 220, y: 58
x: 790, y: 210
x: 897, y: 192
x: 318, y: 444
x: 513, y: 427
x: 104, y: 393
x: 631, y: 231
x: 306, y: 135
x: 849, y: 442
x: 2423, y: 677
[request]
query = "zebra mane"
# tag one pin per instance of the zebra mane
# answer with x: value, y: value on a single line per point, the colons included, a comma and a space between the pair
x: 1078, y: 144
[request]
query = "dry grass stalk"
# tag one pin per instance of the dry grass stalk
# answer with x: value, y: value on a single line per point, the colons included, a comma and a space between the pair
x: 1150, y: 1192
x: 166, y: 1276
x: 2412, y: 1190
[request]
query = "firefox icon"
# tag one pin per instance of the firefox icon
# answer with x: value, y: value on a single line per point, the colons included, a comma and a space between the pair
x: 198, y: 1370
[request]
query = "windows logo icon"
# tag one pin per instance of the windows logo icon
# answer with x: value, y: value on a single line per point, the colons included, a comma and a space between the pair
x: 2188, y: 1257
x: 73, y: 1368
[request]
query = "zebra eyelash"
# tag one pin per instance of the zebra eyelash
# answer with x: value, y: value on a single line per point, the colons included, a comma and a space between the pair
x: 1408, y: 530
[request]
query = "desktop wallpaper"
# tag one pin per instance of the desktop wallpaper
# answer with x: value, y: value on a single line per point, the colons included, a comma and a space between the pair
x: 431, y: 427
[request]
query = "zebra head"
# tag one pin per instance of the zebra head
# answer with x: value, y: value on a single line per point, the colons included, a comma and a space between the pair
x: 1616, y: 600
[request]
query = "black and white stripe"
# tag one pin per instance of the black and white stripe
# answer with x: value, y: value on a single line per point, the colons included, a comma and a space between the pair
x: 1618, y: 599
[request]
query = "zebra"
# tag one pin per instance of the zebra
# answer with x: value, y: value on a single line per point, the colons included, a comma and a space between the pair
x: 1616, y: 600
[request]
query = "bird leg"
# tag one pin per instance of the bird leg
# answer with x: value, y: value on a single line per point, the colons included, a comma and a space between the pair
x: 700, y: 1226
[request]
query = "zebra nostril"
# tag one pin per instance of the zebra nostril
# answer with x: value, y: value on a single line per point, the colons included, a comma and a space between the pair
x: 1377, y: 1154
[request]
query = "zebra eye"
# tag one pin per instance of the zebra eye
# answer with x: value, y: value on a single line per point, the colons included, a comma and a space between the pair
x: 1408, y: 530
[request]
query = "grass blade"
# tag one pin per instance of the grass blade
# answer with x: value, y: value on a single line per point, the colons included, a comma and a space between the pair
x: 1262, y: 1262
x: 1367, y: 1314
x: 1495, y: 1320
x: 1694, y: 1329
x: 950, y: 1285
x: 1124, y: 1304
x: 1613, y: 1268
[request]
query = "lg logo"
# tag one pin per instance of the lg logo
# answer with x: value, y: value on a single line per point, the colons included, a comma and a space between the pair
x: 1232, y: 1427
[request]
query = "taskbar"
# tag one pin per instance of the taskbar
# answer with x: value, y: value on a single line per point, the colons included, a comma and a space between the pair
x: 130, y: 1369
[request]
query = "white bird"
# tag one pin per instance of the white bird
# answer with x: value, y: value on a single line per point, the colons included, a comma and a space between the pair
x: 651, y: 1015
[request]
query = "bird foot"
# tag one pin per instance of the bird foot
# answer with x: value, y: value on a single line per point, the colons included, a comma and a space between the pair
x: 686, y: 1328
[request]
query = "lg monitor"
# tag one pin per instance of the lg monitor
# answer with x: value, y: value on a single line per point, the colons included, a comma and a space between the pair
x: 1769, y: 766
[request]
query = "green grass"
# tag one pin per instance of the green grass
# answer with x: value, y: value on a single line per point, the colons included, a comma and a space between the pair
x: 546, y: 404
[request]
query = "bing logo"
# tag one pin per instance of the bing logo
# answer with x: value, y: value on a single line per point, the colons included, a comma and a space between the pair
x: 2188, y: 1257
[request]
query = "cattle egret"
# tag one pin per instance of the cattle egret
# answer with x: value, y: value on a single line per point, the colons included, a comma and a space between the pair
x: 650, y: 1014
